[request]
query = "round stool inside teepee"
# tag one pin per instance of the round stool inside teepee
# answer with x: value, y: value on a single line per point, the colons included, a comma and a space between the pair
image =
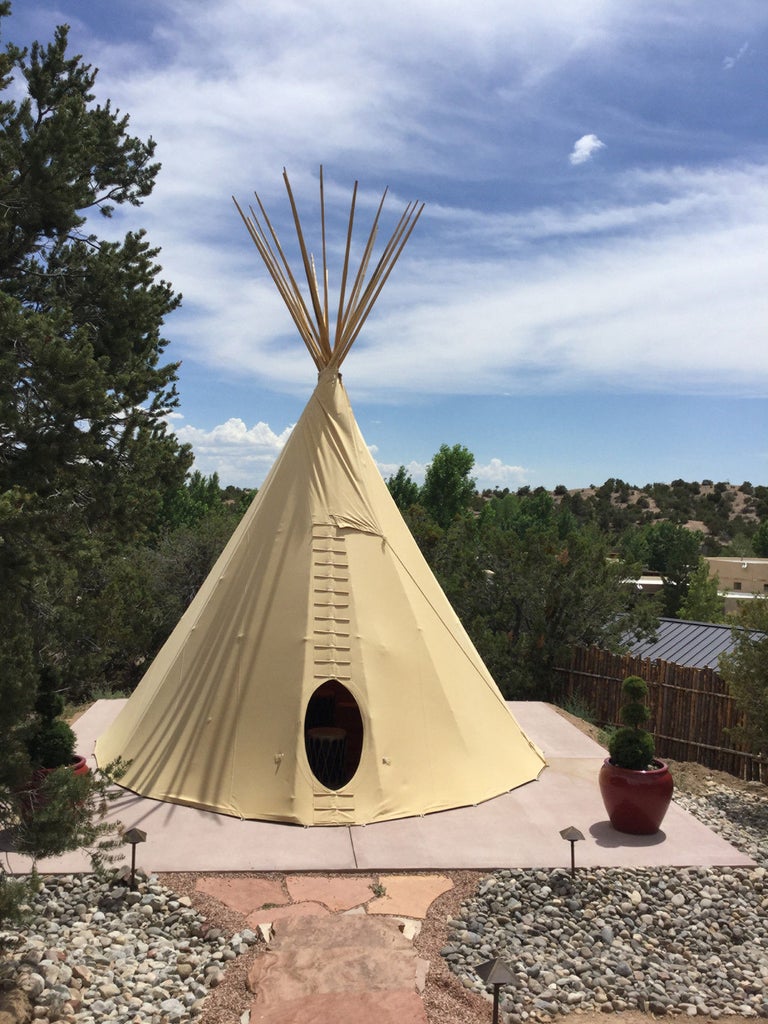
x: 333, y: 734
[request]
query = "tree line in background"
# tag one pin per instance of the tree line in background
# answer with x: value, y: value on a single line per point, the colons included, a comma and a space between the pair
x: 534, y: 573
x: 731, y: 519
x: 106, y: 534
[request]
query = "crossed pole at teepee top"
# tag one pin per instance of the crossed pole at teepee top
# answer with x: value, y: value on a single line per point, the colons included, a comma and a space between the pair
x: 353, y: 310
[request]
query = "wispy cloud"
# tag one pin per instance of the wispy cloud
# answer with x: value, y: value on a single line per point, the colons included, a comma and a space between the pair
x: 730, y: 62
x: 584, y: 149
x: 603, y: 294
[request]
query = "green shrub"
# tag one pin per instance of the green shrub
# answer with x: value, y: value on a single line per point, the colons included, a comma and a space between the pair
x: 68, y: 812
x: 51, y: 742
x: 631, y: 747
x: 53, y: 745
x: 15, y: 894
x: 577, y: 706
x: 49, y: 703
x: 634, y: 714
x: 635, y: 690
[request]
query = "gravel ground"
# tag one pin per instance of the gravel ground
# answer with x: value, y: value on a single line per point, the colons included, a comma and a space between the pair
x: 693, y: 943
x: 95, y: 950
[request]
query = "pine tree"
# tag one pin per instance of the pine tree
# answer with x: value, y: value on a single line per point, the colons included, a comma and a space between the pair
x: 86, y: 459
x: 745, y: 669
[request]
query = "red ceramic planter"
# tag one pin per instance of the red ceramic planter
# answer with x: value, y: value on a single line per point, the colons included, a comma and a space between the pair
x: 636, y: 801
x: 80, y: 765
x: 31, y: 796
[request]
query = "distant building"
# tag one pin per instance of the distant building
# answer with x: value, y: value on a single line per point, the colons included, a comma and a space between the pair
x: 741, y: 579
x: 649, y: 582
x: 693, y: 644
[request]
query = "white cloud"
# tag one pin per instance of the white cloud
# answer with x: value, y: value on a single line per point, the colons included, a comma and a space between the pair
x: 241, y: 455
x: 653, y: 287
x: 499, y: 474
x: 235, y: 433
x: 415, y: 470
x: 584, y: 149
x: 493, y: 474
x: 624, y: 306
x: 482, y: 297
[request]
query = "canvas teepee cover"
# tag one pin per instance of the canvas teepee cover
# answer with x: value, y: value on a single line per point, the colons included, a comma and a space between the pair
x: 320, y: 675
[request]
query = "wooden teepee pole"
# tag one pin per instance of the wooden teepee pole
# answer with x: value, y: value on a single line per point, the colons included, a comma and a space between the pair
x: 353, y: 324
x: 312, y: 319
x: 285, y: 281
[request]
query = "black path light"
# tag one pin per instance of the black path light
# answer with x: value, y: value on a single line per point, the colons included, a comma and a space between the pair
x: 496, y: 973
x: 572, y: 835
x: 134, y: 836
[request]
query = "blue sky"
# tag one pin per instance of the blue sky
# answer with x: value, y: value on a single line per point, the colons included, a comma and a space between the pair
x: 585, y: 294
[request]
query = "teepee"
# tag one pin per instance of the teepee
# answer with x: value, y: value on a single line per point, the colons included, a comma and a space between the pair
x: 320, y: 675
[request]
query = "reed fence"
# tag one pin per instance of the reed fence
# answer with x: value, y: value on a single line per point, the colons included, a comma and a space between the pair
x: 692, y: 713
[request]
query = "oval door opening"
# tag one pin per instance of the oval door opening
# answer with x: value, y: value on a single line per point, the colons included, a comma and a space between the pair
x: 333, y: 734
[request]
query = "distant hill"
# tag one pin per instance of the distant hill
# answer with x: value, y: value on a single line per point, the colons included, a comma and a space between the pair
x: 723, y: 512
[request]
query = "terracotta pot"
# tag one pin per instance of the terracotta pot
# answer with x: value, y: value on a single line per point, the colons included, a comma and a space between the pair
x: 31, y: 796
x: 79, y: 765
x: 636, y: 801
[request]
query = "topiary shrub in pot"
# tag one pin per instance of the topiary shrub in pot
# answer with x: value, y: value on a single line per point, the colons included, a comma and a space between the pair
x: 51, y: 742
x: 631, y: 746
x: 52, y: 745
x: 53, y: 803
x: 636, y: 787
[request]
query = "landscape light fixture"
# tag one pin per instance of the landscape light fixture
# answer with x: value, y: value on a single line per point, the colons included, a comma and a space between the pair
x: 134, y: 836
x: 572, y: 835
x: 496, y: 973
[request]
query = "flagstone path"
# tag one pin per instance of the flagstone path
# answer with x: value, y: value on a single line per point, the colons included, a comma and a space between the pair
x: 341, y: 947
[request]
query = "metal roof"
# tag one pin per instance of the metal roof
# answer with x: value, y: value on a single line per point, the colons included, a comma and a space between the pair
x: 696, y: 644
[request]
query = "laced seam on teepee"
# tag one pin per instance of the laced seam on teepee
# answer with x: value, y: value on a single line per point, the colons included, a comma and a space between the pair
x: 312, y: 320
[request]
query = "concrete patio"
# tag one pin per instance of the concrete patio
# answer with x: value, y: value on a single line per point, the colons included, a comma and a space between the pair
x: 517, y: 829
